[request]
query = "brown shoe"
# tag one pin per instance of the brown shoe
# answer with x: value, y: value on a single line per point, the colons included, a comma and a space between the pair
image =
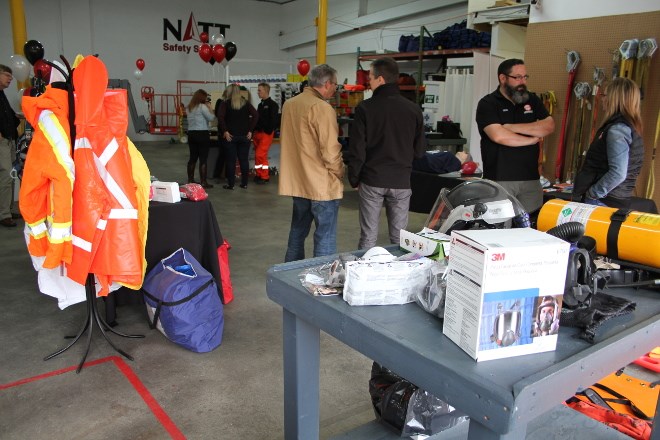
x: 8, y: 223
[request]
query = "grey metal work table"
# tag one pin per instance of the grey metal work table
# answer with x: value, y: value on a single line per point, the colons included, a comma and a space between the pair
x: 501, y: 396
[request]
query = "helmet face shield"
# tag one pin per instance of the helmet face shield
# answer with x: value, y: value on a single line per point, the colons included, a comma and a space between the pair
x: 475, y: 204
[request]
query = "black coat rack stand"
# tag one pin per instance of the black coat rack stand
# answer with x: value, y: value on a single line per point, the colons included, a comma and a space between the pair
x: 93, y: 318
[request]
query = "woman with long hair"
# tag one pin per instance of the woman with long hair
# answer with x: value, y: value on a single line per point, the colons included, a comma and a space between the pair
x: 615, y: 156
x: 236, y: 123
x: 199, y: 140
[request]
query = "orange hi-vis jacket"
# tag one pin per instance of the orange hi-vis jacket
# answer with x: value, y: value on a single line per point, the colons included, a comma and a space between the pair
x: 45, y: 197
x: 106, y: 241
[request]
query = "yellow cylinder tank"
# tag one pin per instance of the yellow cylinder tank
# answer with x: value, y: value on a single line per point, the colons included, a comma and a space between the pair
x: 639, y: 236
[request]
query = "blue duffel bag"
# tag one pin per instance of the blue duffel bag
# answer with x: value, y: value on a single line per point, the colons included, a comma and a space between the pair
x: 183, y: 302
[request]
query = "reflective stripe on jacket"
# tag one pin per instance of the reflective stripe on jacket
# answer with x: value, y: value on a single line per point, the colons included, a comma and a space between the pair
x: 45, y: 197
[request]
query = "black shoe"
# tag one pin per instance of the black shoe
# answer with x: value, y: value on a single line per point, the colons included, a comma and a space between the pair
x: 227, y: 187
x: 243, y: 186
x: 206, y: 185
x: 8, y: 223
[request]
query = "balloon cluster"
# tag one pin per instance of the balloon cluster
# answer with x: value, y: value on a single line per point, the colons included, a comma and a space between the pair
x: 139, y: 63
x: 215, y: 52
x: 33, y: 52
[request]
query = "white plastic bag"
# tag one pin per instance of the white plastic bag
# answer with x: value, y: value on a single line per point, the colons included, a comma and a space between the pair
x: 394, y: 282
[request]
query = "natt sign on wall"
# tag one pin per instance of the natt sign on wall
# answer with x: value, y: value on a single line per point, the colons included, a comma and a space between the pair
x: 173, y: 30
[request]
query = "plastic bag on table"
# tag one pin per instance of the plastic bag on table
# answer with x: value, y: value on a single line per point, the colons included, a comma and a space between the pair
x: 429, y: 415
x: 327, y: 279
x: 432, y: 297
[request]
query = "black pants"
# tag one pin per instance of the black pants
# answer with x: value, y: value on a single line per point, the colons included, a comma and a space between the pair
x: 238, y: 147
x: 198, y: 144
x: 220, y: 161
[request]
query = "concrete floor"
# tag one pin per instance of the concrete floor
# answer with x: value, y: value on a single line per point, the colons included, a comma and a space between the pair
x: 234, y: 392
x: 231, y: 393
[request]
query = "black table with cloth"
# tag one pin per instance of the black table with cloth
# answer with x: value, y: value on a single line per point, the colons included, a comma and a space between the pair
x: 189, y: 225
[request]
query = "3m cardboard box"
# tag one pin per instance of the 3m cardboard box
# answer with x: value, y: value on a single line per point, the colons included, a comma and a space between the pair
x: 427, y: 242
x: 165, y: 192
x: 504, y: 291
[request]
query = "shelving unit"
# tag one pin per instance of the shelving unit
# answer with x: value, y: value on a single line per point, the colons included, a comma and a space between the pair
x: 420, y: 56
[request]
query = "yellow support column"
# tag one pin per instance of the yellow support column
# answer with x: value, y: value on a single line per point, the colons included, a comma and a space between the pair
x: 322, y: 31
x: 19, y: 32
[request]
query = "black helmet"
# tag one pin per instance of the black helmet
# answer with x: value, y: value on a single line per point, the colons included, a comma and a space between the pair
x: 479, y: 203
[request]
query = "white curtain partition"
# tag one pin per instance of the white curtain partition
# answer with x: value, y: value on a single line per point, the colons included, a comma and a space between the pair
x: 455, y: 101
x: 485, y: 81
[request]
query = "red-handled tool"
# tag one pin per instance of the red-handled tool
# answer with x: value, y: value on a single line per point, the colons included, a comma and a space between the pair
x: 573, y: 59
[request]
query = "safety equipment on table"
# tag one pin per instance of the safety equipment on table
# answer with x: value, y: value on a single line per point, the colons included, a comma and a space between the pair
x: 476, y: 204
x: 193, y: 191
x: 619, y: 234
x: 506, y: 327
x: 378, y: 254
x: 183, y: 302
x: 581, y: 278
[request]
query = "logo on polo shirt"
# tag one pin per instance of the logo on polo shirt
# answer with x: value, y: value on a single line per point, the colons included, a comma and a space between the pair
x: 528, y: 109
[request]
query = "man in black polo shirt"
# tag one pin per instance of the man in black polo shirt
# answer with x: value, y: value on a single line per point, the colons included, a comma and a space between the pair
x: 511, y: 123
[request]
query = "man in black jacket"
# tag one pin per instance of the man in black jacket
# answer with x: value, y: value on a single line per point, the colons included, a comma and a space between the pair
x: 385, y: 136
x: 264, y: 132
x: 8, y: 136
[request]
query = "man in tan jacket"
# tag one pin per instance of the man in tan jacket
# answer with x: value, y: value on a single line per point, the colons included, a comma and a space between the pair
x: 311, y: 166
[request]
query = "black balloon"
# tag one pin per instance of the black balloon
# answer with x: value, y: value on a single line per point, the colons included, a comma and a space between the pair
x: 212, y: 61
x: 34, y: 51
x: 231, y: 50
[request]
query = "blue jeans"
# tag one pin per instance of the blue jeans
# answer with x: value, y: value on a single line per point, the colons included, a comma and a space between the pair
x: 324, y: 215
x: 589, y: 201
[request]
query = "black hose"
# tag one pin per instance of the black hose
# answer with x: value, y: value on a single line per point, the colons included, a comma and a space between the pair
x: 570, y: 231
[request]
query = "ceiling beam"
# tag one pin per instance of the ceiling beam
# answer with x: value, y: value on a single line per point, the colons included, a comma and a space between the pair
x: 308, y: 35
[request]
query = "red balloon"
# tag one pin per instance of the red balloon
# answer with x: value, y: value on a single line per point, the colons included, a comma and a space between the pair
x: 219, y: 52
x: 204, y: 37
x: 303, y: 67
x: 42, y: 70
x: 469, y: 167
x: 140, y: 64
x: 205, y: 52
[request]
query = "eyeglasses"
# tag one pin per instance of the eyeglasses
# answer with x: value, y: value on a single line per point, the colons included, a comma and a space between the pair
x: 518, y: 77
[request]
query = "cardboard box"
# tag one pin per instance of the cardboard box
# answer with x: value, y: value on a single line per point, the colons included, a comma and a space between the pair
x: 504, y: 291
x: 427, y: 242
x: 166, y: 192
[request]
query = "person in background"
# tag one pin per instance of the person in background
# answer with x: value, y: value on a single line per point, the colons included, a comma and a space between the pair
x: 614, y: 158
x: 236, y: 124
x: 311, y: 168
x: 387, y: 133
x: 264, y: 132
x: 511, y: 123
x: 441, y: 162
x: 220, y: 161
x: 8, y: 134
x: 199, y: 140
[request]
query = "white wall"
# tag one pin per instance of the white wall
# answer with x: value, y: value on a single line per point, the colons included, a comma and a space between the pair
x: 558, y: 10
x: 122, y: 31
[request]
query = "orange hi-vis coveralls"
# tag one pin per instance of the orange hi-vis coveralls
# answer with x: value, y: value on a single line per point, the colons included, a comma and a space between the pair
x: 106, y: 241
x: 45, y: 197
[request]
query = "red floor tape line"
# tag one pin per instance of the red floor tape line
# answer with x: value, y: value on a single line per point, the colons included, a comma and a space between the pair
x: 134, y: 380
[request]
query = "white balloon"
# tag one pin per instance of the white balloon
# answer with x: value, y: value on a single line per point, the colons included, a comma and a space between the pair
x: 137, y: 74
x: 219, y: 39
x: 20, y: 67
